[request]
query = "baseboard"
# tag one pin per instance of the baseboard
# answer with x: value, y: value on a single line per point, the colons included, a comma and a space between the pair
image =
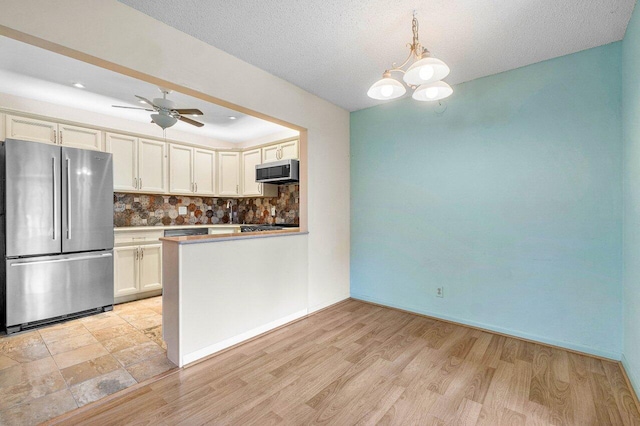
x: 632, y: 380
x: 211, y: 349
x: 584, y: 350
x: 328, y: 303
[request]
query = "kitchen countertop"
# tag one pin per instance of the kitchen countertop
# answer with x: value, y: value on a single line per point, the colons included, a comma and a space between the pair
x: 195, y: 239
x: 162, y: 228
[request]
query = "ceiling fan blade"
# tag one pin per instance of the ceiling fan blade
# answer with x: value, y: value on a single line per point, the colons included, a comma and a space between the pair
x: 190, y: 121
x: 128, y: 107
x: 189, y: 111
x: 145, y: 99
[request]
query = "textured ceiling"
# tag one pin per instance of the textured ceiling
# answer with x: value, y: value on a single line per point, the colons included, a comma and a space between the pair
x: 35, y: 73
x: 337, y: 48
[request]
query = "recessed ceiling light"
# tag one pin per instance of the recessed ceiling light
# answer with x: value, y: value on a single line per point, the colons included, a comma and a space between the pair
x: 78, y: 85
x: 142, y: 102
x: 232, y: 117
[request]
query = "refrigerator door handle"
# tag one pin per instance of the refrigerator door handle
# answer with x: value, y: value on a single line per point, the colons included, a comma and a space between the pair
x: 66, y: 259
x: 68, y: 199
x: 55, y: 202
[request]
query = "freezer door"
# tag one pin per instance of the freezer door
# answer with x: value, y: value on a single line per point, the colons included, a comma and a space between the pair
x: 32, y: 198
x: 87, y: 200
x: 45, y: 287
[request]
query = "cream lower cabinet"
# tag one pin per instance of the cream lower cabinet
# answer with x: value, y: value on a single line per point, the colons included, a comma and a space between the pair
x: 137, y: 269
x: 139, y: 165
x: 281, y: 151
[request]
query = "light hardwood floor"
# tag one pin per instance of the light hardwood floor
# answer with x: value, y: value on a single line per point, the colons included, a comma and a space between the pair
x: 358, y: 363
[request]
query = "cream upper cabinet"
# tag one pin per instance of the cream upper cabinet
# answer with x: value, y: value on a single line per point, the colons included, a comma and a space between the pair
x: 139, y: 165
x: 3, y: 126
x: 204, y: 171
x: 270, y: 153
x: 289, y: 150
x: 281, y: 151
x: 180, y: 169
x: 192, y: 170
x: 80, y: 137
x: 228, y: 173
x: 125, y: 264
x: 152, y: 166
x: 31, y: 129
x: 150, y: 266
x: 250, y: 159
x: 35, y: 130
x: 125, y: 161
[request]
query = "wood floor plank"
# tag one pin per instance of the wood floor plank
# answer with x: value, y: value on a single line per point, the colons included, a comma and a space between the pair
x: 362, y: 364
x: 622, y: 394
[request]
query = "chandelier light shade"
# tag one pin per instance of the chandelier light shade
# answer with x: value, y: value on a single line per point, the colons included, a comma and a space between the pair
x: 432, y: 91
x: 426, y: 70
x: 386, y: 88
x: 424, y: 75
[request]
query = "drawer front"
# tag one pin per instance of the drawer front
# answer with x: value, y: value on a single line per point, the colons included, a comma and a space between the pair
x: 224, y: 230
x: 137, y: 237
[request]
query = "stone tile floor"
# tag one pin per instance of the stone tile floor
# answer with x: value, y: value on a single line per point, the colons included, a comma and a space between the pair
x: 47, y: 372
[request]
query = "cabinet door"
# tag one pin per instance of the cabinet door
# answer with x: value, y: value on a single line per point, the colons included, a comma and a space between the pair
x: 30, y: 129
x: 2, y: 127
x: 125, y: 161
x: 152, y: 166
x: 229, y: 173
x: 125, y: 276
x: 180, y: 169
x: 204, y: 171
x: 150, y: 267
x: 289, y: 150
x: 270, y: 153
x: 250, y: 159
x: 80, y: 137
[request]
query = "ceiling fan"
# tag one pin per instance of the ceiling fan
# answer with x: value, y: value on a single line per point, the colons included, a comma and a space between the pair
x: 166, y: 113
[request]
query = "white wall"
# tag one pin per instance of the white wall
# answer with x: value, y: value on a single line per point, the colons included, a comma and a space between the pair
x: 285, y: 134
x: 109, y: 31
x: 223, y: 299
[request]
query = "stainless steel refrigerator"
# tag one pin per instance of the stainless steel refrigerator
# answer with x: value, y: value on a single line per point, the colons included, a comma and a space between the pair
x: 56, y: 229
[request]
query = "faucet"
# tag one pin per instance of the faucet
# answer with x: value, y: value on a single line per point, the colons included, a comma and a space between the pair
x: 230, y: 206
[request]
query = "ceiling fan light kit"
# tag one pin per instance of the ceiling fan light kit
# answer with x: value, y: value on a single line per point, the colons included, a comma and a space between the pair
x: 163, y: 120
x: 424, y: 75
x: 166, y: 113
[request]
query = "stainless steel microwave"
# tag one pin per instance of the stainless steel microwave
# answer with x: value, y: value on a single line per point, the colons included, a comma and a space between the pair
x: 277, y: 172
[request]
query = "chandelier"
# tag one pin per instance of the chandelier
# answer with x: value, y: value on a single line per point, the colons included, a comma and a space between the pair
x: 424, y: 75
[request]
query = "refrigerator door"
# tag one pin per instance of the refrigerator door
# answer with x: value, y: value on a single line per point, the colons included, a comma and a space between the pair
x: 87, y: 200
x: 45, y: 287
x: 32, y: 198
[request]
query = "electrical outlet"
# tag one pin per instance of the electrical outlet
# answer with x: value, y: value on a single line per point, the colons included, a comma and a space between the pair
x: 273, y: 211
x: 182, y: 210
x: 440, y: 292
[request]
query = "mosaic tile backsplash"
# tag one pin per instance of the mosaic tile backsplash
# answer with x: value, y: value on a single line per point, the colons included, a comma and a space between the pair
x: 158, y: 210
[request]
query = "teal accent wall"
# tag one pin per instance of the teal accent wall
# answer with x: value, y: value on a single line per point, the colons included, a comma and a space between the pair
x: 511, y: 199
x: 631, y: 168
